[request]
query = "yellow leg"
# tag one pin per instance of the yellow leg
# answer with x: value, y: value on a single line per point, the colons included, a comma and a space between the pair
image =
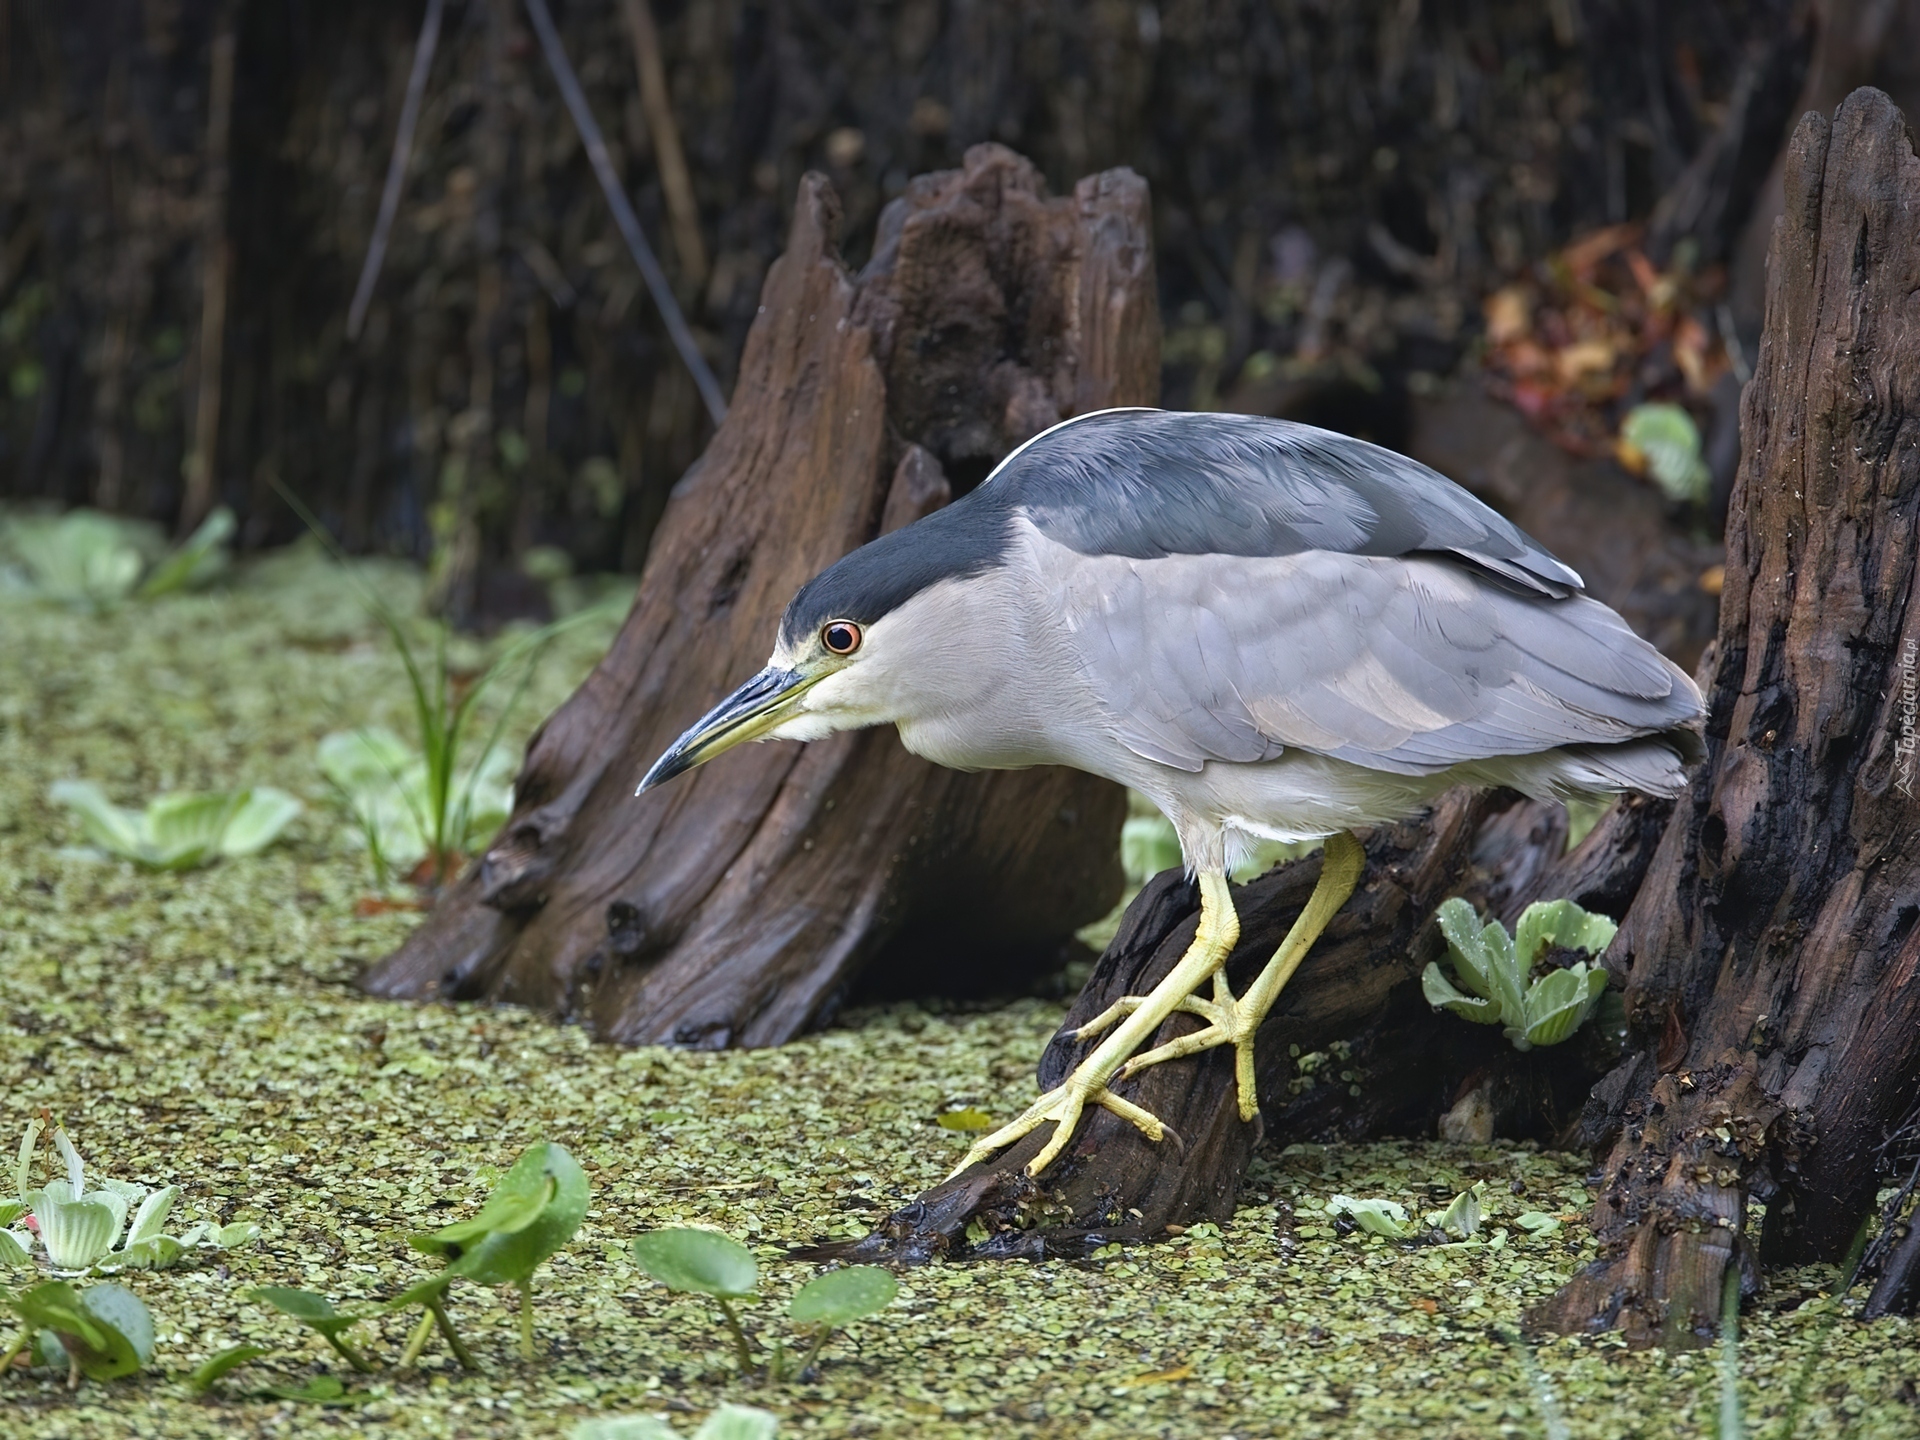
x: 1236, y: 1022
x: 1212, y: 943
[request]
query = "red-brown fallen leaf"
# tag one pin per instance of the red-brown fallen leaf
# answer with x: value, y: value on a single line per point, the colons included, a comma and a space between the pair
x: 368, y: 905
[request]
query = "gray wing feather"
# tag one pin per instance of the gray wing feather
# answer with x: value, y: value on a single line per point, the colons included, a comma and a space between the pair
x: 1409, y: 666
x: 1150, y: 483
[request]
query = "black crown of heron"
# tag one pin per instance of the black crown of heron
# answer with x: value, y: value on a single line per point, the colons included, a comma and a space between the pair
x: 1270, y: 630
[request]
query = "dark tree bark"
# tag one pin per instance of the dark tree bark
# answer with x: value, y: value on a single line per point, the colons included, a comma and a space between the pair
x: 1772, y: 950
x: 737, y: 905
x: 1398, y: 1067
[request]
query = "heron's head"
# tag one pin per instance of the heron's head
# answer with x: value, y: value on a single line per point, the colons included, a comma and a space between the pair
x: 882, y: 637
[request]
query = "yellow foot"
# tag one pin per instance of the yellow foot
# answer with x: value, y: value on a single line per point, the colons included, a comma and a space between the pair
x: 1063, y: 1106
x: 1229, y: 1022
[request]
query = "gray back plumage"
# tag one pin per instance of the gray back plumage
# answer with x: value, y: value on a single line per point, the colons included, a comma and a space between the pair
x: 1236, y: 587
x: 1148, y: 483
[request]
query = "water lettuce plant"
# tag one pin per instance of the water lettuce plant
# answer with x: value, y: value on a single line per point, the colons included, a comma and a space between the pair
x: 1661, y: 440
x: 179, y: 831
x: 102, y: 1332
x: 93, y: 561
x: 1496, y: 970
x: 534, y: 1210
x: 700, y: 1262
x: 728, y: 1422
x: 391, y: 792
x: 115, y: 1225
x: 439, y: 805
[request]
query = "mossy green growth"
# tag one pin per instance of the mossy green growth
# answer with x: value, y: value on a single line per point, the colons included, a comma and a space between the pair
x: 207, y: 1022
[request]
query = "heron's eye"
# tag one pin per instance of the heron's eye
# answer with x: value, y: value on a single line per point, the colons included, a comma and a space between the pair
x: 842, y: 637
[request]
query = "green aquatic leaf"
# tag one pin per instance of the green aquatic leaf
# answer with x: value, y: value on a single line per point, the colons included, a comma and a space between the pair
x: 104, y: 1330
x: 209, y: 1371
x: 841, y: 1296
x: 697, y: 1262
x: 116, y: 830
x: 1547, y: 924
x: 1558, y: 1002
x: 1667, y: 436
x: 316, y: 1312
x: 535, y: 1209
x: 321, y: 1390
x: 262, y: 814
x: 14, y: 1251
x: 1377, y: 1217
x: 184, y: 830
x: 1441, y: 995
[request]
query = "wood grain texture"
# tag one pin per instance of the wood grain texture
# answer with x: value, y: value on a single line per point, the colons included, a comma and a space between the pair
x: 1771, y: 953
x: 736, y: 906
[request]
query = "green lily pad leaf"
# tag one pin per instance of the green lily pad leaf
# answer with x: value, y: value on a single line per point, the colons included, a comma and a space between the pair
x: 1537, y: 1222
x: 841, y: 1296
x: 1559, y: 1001
x: 1559, y: 923
x: 624, y: 1427
x: 739, y: 1422
x: 534, y: 1210
x: 1376, y: 1217
x: 1441, y: 995
x: 968, y: 1120
x: 214, y: 1366
x: 316, y: 1312
x: 114, y: 829
x: 262, y: 814
x: 697, y: 1262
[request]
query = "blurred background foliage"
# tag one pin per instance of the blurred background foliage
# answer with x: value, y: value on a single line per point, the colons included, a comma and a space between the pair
x: 187, y: 190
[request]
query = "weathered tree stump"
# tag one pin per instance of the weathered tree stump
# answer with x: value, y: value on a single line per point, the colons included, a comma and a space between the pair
x: 1771, y: 952
x: 736, y: 907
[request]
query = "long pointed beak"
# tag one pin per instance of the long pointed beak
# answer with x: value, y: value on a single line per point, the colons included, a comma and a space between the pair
x: 748, y: 713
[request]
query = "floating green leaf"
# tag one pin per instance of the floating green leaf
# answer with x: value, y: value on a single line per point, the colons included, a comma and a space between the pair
x: 179, y: 831
x: 697, y: 1262
x: 1376, y: 1217
x: 841, y: 1296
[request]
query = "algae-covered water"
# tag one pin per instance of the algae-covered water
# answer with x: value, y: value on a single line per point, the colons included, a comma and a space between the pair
x: 202, y: 1029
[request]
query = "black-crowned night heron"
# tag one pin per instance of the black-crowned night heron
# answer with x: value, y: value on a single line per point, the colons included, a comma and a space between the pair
x: 1270, y: 630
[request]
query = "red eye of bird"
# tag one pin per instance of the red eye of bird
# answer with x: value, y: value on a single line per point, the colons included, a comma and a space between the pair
x: 842, y: 637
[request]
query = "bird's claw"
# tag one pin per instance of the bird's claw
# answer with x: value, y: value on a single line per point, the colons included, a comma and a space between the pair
x: 1229, y: 1022
x: 1063, y: 1106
